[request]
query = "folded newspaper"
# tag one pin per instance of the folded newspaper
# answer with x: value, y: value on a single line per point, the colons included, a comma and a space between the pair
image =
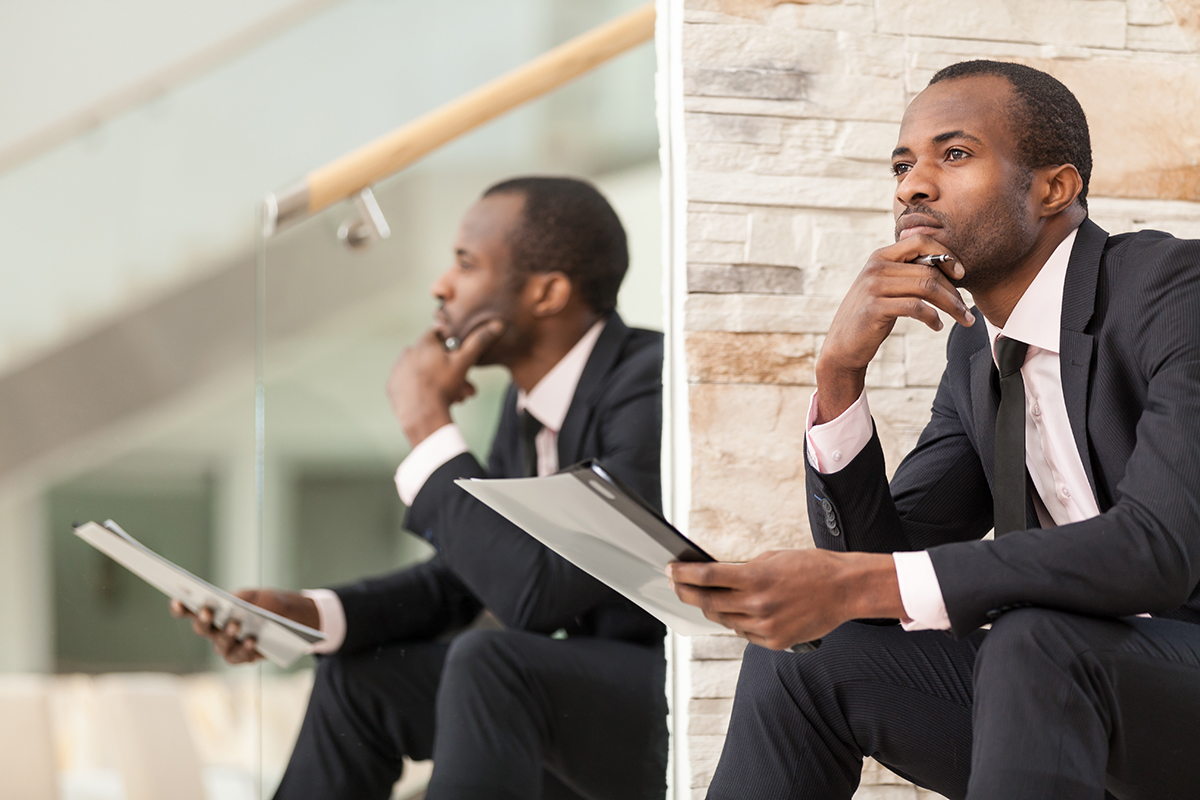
x: 280, y: 640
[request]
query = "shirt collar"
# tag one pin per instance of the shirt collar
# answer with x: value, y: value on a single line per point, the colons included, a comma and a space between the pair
x: 550, y: 399
x: 1036, y: 320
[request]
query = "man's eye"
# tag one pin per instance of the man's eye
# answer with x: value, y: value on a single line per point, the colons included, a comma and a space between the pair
x: 900, y: 169
x: 956, y: 154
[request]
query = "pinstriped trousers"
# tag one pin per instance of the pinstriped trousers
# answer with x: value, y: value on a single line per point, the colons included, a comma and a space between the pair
x: 1046, y: 706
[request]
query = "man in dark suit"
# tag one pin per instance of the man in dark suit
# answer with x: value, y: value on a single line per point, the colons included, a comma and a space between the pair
x: 1067, y: 418
x: 567, y: 699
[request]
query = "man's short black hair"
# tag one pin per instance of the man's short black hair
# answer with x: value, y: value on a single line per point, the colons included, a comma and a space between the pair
x: 1050, y: 124
x: 568, y: 226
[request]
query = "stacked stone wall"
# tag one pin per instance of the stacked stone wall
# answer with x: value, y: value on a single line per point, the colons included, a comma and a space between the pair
x: 791, y: 110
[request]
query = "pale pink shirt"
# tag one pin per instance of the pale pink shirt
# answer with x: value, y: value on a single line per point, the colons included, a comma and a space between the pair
x: 1055, y: 466
x: 548, y: 401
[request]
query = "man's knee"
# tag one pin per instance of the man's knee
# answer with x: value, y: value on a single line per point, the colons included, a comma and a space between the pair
x: 1029, y: 643
x: 480, y: 656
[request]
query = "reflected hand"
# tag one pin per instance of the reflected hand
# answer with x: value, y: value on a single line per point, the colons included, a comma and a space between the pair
x: 227, y: 642
x: 427, y: 379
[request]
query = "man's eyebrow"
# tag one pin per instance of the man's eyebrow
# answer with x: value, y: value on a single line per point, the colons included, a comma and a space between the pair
x: 900, y: 151
x: 945, y: 137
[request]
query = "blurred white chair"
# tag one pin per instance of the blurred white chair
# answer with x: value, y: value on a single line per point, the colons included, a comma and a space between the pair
x: 26, y: 743
x: 150, y: 736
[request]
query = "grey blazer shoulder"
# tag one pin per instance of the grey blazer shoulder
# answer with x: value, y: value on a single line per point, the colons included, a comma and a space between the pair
x: 1130, y: 361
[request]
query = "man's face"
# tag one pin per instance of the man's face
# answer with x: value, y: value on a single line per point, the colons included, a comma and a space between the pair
x: 481, y: 285
x: 959, y: 179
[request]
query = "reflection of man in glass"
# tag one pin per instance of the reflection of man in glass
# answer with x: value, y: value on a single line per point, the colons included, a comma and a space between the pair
x: 567, y: 700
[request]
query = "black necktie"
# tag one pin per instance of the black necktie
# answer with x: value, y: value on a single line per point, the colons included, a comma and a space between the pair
x: 1008, y: 493
x: 529, y: 431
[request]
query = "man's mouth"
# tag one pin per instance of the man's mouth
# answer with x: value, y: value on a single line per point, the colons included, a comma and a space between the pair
x: 912, y: 223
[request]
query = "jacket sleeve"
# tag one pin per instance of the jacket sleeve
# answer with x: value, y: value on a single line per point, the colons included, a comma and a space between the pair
x: 526, y: 585
x: 417, y: 603
x: 1143, y: 553
x: 939, y: 493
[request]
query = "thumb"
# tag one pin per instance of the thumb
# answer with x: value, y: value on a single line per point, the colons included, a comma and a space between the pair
x: 477, y: 341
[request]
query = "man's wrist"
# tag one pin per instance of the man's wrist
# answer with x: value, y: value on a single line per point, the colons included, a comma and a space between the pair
x: 426, y: 424
x: 837, y: 389
x: 871, y: 589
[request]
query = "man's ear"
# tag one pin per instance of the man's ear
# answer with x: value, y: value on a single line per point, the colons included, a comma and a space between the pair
x: 551, y: 292
x: 1061, y: 185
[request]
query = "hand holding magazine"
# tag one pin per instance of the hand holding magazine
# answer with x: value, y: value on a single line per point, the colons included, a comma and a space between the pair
x: 279, y: 639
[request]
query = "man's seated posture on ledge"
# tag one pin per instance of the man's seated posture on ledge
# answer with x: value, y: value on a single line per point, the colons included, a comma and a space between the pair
x: 1068, y: 417
x: 517, y: 713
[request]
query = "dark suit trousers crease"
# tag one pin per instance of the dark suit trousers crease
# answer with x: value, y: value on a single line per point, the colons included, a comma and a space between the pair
x: 1045, y: 706
x: 504, y: 714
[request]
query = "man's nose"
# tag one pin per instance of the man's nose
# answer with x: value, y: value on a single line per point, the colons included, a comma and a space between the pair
x: 918, y: 185
x: 443, y: 288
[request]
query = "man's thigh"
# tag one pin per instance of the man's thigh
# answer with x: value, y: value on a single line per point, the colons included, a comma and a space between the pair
x: 1084, y: 697
x: 803, y: 721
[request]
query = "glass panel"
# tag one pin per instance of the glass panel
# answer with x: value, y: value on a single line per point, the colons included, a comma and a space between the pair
x: 335, y: 319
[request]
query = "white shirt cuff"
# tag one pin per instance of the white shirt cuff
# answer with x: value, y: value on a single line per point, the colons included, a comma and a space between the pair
x: 834, y: 444
x: 439, y: 447
x: 332, y: 620
x: 920, y: 592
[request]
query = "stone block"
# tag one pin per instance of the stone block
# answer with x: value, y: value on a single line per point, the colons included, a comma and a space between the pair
x: 733, y: 128
x: 721, y: 157
x: 712, y: 227
x: 1148, y: 12
x: 867, y: 141
x: 722, y: 278
x: 857, y: 97
x: 757, y: 47
x: 705, y: 751
x: 793, y: 192
x: 761, y: 83
x: 1168, y: 38
x: 1118, y: 215
x: 773, y: 358
x: 748, y: 492
x: 717, y: 647
x: 1089, y: 23
x: 925, y: 356
x: 1145, y: 123
x: 716, y: 252
x: 879, y: 56
x: 780, y: 237
x: 758, y: 313
x: 900, y: 415
x: 886, y: 793
x: 715, y: 678
x: 849, y: 17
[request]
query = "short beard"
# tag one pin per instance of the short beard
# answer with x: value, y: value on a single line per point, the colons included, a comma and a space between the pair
x: 1000, y: 238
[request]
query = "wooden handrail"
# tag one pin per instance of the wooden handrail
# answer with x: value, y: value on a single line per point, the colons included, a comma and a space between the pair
x: 355, y: 171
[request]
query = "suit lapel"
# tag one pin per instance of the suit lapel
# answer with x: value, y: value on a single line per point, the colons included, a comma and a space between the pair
x: 1076, y: 347
x: 600, y: 363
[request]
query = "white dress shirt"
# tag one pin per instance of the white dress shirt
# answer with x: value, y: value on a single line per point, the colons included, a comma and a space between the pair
x: 1055, y: 466
x: 548, y: 402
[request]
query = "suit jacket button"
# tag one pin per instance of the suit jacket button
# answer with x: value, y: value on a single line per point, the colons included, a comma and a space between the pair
x: 833, y: 531
x: 994, y: 614
x: 830, y: 521
x: 827, y: 506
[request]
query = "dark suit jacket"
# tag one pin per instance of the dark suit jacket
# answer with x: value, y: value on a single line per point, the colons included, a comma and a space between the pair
x: 484, y: 561
x: 1130, y: 356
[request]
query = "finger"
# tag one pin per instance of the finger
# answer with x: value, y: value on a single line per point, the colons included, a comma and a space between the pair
x: 709, y: 574
x: 180, y: 611
x: 928, y: 284
x: 922, y: 244
x: 476, y: 342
